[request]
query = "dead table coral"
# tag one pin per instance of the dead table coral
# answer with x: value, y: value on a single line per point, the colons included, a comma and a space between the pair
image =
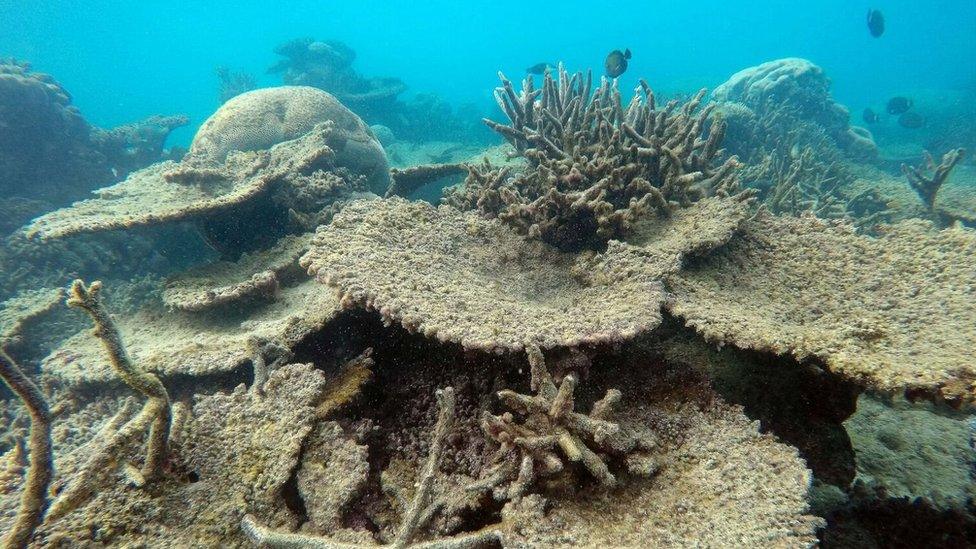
x: 596, y: 166
x: 463, y: 278
x: 927, y: 186
x: 896, y: 313
x: 529, y: 449
x: 253, y: 276
x: 196, y: 344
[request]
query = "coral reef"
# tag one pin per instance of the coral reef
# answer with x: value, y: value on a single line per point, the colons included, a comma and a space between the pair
x: 247, y: 201
x: 868, y: 308
x: 18, y: 312
x: 408, y: 180
x: 927, y: 186
x: 596, y: 167
x: 48, y: 150
x: 463, y: 278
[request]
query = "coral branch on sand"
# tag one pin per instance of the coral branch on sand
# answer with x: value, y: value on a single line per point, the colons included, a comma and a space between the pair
x: 33, y: 500
x: 595, y: 166
x: 529, y: 449
x: 927, y: 185
x: 408, y: 180
x: 420, y: 511
x: 157, y: 405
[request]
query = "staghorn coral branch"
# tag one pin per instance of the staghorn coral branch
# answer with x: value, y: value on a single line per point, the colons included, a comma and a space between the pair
x: 89, y: 299
x: 33, y: 500
x: 927, y: 186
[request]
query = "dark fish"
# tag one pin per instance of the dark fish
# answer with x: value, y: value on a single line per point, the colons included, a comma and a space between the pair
x: 870, y: 116
x: 911, y: 120
x: 616, y: 63
x: 539, y: 68
x: 875, y: 23
x: 898, y: 105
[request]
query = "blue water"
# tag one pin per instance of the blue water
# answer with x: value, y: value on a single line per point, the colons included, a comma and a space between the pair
x: 124, y: 60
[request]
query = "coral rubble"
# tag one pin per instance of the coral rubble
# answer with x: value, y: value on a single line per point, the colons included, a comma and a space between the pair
x: 894, y: 313
x: 595, y: 166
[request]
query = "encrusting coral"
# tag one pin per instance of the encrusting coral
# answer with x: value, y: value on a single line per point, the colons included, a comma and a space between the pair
x: 420, y: 511
x: 595, y: 166
x: 927, y: 186
x: 894, y: 313
x: 529, y: 449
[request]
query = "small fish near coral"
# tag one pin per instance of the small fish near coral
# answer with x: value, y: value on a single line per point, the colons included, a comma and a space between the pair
x: 870, y: 117
x: 899, y: 105
x: 539, y: 68
x: 616, y: 62
x: 876, y: 23
x: 911, y: 120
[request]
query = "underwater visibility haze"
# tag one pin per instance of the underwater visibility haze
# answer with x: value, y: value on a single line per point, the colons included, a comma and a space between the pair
x: 487, y: 274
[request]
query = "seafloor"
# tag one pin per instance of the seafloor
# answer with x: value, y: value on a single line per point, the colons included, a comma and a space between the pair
x: 720, y: 320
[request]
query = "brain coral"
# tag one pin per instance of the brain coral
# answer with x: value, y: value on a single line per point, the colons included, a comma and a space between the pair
x: 896, y: 313
x: 259, y: 119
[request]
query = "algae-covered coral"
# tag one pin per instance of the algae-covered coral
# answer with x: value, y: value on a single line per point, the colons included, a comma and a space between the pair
x: 506, y: 369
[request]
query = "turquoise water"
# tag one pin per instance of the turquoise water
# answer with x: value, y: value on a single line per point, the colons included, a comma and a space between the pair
x: 125, y: 60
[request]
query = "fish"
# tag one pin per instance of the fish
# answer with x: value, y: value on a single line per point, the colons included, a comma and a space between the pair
x: 876, y: 23
x: 898, y: 105
x: 616, y: 63
x: 911, y: 120
x: 539, y: 68
x: 870, y: 116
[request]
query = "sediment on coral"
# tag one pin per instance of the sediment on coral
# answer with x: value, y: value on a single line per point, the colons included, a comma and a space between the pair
x: 595, y: 166
x: 867, y: 308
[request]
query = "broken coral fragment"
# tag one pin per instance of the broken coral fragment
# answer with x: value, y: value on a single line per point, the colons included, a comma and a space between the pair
x: 238, y: 450
x: 460, y: 277
x: 253, y: 276
x: 896, y: 313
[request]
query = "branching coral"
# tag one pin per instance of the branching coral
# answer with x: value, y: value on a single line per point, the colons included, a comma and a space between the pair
x: 595, y: 166
x: 33, y: 500
x: 421, y: 509
x: 927, y: 186
x: 529, y: 449
x: 157, y: 407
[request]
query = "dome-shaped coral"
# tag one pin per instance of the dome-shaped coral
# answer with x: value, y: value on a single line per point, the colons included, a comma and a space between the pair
x: 262, y: 118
